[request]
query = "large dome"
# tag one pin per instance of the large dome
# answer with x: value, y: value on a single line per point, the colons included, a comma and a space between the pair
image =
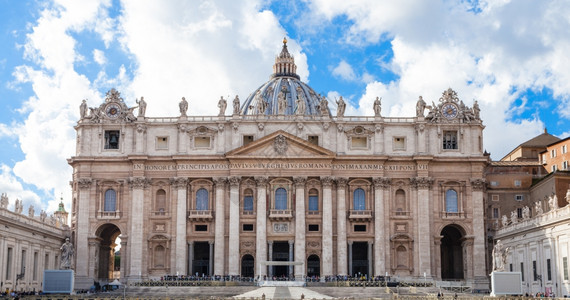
x: 284, y: 93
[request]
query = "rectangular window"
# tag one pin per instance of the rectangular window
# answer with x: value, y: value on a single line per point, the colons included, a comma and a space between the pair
x: 522, y: 271
x: 554, y: 168
x: 543, y: 158
x: 564, y: 149
x: 519, y: 213
x: 314, y: 139
x: 112, y: 139
x: 247, y: 227
x: 494, y: 183
x: 565, y: 165
x: 313, y: 203
x: 548, y: 270
x: 449, y: 140
x: 495, y: 197
x: 247, y: 139
x: 201, y: 228
x: 202, y: 142
x: 359, y: 142
x: 9, y: 263
x: 359, y: 228
x: 519, y: 197
x: 248, y: 203
x: 565, y: 267
x: 534, y: 274
x: 495, y: 212
x: 517, y: 183
x: 162, y: 143
x: 313, y: 227
x: 23, y: 265
x: 399, y: 143
x: 553, y: 153
x: 510, y: 267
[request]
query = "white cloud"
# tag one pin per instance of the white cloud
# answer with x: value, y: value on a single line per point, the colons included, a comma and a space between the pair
x: 344, y: 71
x: 10, y: 185
x: 99, y: 57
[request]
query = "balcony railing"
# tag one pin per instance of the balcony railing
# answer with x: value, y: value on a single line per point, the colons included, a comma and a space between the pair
x: 160, y: 213
x: 360, y: 215
x: 285, y: 214
x: 445, y: 215
x: 200, y: 215
x: 109, y: 214
x: 313, y: 213
x: 401, y: 213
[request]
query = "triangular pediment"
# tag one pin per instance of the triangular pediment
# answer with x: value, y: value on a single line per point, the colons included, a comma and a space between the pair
x: 280, y: 144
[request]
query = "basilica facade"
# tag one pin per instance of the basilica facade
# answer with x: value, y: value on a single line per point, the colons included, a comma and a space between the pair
x: 279, y: 187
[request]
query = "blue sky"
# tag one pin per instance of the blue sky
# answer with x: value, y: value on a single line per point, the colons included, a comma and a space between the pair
x: 511, y: 56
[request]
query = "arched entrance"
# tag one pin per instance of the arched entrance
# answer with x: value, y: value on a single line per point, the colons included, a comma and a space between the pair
x: 313, y: 266
x: 107, y: 261
x: 247, y: 266
x: 451, y: 253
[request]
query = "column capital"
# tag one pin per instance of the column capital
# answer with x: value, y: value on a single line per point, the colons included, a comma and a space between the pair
x: 341, y: 182
x: 477, y: 184
x: 421, y: 182
x: 291, y: 242
x: 139, y: 182
x: 327, y: 181
x: 220, y: 181
x: 270, y: 242
x: 350, y: 242
x: 381, y: 182
x: 300, y: 181
x: 261, y: 180
x: 179, y: 182
x: 84, y: 183
x: 234, y: 181
x: 211, y: 243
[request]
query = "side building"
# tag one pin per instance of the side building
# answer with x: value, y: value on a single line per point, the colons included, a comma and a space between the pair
x: 280, y: 179
x: 29, y: 244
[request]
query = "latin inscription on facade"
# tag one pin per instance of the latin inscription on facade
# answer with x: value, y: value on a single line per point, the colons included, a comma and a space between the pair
x: 278, y: 165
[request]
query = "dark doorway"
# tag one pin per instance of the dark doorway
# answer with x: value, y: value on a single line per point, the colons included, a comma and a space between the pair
x: 247, y: 266
x: 281, y: 253
x: 201, y: 261
x: 107, y: 266
x: 360, y: 258
x: 313, y: 266
x: 451, y: 253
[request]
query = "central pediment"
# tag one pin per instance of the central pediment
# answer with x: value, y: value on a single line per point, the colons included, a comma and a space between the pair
x: 282, y: 145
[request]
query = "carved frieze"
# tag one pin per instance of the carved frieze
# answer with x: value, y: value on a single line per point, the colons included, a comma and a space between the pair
x: 139, y: 182
x: 84, y: 183
x: 247, y: 244
x: 421, y: 182
x: 179, y: 182
x: 381, y: 182
x: 280, y: 227
x: 478, y: 184
x: 313, y: 244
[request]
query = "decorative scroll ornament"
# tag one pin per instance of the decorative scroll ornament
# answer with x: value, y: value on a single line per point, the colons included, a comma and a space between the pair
x: 341, y: 182
x: 300, y: 180
x: 234, y: 181
x: 139, y: 182
x: 220, y: 181
x: 478, y: 184
x: 280, y: 144
x: 84, y: 183
x: 280, y: 227
x: 327, y: 181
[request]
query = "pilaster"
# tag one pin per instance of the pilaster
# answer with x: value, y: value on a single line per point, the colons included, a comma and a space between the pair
x: 299, y: 225
x: 422, y: 186
x: 233, y: 247
x: 219, y: 229
x: 341, y: 225
x: 327, y: 247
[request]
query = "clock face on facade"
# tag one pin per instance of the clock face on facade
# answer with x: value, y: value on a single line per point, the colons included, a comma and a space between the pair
x: 112, y: 111
x: 449, y: 110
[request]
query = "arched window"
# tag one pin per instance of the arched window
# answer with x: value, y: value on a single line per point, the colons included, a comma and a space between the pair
x: 280, y: 199
x: 202, y: 199
x: 313, y: 200
x: 159, y: 254
x: 451, y: 201
x: 110, y: 200
x: 400, y: 200
x: 401, y: 257
x: 160, y: 204
x: 248, y: 200
x: 359, y: 199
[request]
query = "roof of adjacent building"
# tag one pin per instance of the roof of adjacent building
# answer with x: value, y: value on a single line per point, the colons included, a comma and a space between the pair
x: 540, y: 141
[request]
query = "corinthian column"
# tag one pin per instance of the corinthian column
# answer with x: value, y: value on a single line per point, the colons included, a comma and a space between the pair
x: 300, y: 225
x: 233, y: 247
x: 261, y: 234
x: 219, y: 228
x: 422, y: 185
x: 380, y: 184
x: 341, y: 225
x: 180, y: 185
x: 327, y: 250
x: 82, y: 242
x: 138, y: 184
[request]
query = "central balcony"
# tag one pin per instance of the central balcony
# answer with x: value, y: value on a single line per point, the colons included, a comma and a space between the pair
x: 360, y: 215
x: 200, y: 215
x: 286, y: 214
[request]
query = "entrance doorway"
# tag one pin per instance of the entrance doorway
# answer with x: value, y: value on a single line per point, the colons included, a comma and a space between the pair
x: 108, y: 262
x: 201, y: 259
x: 247, y: 266
x: 280, y: 253
x: 313, y: 266
x: 360, y: 258
x: 451, y: 253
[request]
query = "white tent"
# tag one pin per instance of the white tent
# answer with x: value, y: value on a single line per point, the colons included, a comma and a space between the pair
x: 115, y: 282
